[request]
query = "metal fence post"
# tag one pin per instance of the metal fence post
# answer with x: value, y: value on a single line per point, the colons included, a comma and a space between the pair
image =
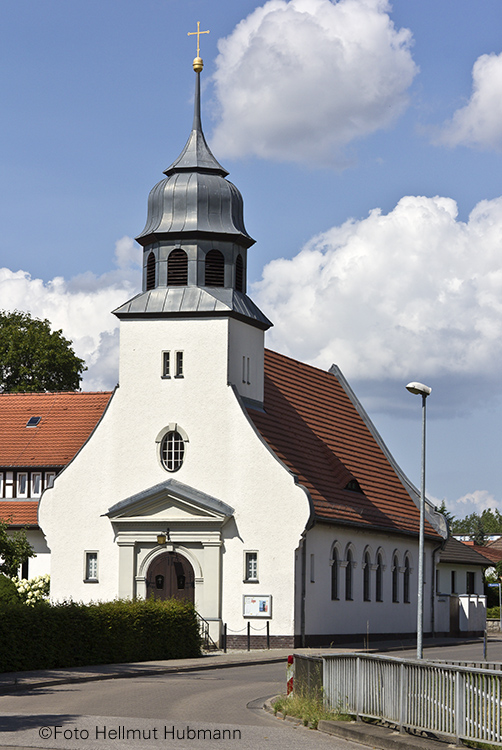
x: 358, y: 688
x: 249, y: 636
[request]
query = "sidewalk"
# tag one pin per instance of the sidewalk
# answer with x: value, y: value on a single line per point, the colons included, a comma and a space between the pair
x: 15, y: 681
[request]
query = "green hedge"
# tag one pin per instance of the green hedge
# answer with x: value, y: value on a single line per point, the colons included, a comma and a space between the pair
x: 493, y: 613
x: 68, y: 635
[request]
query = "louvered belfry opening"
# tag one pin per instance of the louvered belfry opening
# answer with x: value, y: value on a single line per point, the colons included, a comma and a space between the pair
x: 177, y: 268
x: 239, y: 274
x: 150, y: 272
x: 215, y: 269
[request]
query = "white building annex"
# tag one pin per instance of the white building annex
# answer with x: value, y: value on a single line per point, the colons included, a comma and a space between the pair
x: 250, y: 483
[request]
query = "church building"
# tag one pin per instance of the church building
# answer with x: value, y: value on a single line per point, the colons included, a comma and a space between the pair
x: 248, y: 482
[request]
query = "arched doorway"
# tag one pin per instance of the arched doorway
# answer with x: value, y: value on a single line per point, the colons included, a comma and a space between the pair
x: 170, y: 575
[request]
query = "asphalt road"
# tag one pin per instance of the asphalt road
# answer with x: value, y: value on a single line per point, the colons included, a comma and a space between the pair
x: 159, y: 711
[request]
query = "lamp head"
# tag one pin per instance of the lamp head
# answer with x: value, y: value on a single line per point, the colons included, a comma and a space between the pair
x: 419, y: 389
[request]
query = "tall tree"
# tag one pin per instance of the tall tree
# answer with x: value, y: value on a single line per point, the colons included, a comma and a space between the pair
x: 15, y: 549
x: 35, y: 358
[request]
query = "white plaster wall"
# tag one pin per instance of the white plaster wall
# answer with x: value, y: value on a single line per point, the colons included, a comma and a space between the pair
x: 324, y: 616
x: 40, y: 564
x: 246, y: 341
x: 444, y: 578
x: 224, y: 458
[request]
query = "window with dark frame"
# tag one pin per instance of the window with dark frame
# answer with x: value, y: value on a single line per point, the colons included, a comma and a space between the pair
x: 470, y: 582
x: 453, y: 581
x: 379, y: 579
x: 251, y: 567
x: 179, y: 365
x: 366, y: 578
x: 91, y: 566
x: 406, y: 580
x: 334, y: 575
x: 166, y: 364
x: 395, y: 579
x: 348, y: 577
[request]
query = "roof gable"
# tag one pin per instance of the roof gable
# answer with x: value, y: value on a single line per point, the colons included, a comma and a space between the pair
x: 66, y: 421
x: 313, y: 426
x: 170, y: 501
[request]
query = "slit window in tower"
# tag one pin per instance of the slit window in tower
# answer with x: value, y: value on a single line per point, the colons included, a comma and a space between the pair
x: 215, y: 269
x: 179, y: 365
x: 177, y: 268
x: 239, y: 274
x: 150, y: 272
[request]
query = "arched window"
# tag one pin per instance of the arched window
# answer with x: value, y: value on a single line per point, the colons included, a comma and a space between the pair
x: 239, y: 274
x: 177, y: 268
x: 334, y: 575
x: 215, y: 269
x: 406, y: 580
x: 395, y: 579
x: 366, y: 577
x: 172, y: 450
x: 150, y: 272
x: 348, y: 577
x: 379, y: 579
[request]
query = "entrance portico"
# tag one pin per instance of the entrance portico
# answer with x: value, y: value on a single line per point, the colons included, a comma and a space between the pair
x: 172, y: 530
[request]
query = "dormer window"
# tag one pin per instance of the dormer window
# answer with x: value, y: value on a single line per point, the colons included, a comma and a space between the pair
x: 353, y: 486
x: 33, y: 421
x: 215, y: 269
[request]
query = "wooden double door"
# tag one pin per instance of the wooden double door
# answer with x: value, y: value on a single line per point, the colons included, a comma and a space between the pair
x: 171, y: 575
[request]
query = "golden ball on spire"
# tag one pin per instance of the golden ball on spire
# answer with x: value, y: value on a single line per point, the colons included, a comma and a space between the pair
x: 198, y: 64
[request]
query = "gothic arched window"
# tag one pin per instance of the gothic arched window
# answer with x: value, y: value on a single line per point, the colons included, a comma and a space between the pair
x: 215, y: 269
x: 239, y: 274
x: 366, y: 578
x: 334, y: 574
x: 395, y: 579
x: 177, y: 268
x: 379, y: 579
x: 406, y: 580
x: 150, y: 272
x: 348, y: 576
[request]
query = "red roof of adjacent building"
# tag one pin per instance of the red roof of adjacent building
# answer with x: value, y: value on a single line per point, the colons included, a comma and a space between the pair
x: 314, y: 427
x: 19, y: 513
x: 66, y: 421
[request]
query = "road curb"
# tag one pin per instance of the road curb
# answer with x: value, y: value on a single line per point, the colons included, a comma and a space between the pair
x: 372, y: 735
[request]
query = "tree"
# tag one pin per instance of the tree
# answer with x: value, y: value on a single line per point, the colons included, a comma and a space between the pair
x: 478, y: 527
x: 35, y: 358
x: 15, y: 549
x: 450, y: 518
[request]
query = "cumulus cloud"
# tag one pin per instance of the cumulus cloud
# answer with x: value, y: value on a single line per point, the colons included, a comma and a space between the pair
x: 414, y: 294
x: 479, y: 123
x: 298, y: 80
x: 473, y: 502
x: 81, y: 307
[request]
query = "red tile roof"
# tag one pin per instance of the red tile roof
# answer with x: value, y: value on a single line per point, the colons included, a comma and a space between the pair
x: 313, y: 426
x: 19, y: 513
x: 67, y: 420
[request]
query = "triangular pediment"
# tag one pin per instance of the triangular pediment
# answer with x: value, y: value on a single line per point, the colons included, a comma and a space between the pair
x: 171, y: 501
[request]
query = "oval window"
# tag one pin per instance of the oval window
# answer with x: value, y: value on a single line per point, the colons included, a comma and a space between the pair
x: 172, y: 450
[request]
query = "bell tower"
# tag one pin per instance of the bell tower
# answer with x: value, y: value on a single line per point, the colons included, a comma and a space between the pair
x: 195, y: 248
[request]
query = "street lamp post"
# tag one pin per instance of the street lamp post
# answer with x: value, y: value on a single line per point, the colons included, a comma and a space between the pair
x: 424, y: 391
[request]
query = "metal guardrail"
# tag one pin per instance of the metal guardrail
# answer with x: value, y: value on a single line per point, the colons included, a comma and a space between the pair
x: 446, y: 699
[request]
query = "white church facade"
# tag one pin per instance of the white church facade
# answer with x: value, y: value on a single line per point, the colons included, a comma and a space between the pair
x: 248, y: 482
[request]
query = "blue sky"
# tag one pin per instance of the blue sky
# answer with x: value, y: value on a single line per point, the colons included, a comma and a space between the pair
x: 366, y: 139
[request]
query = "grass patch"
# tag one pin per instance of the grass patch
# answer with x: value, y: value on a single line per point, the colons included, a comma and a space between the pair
x: 310, y: 709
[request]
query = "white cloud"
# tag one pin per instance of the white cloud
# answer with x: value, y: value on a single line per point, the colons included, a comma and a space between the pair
x: 479, y: 123
x: 473, y: 502
x: 81, y: 307
x: 411, y: 294
x: 299, y: 80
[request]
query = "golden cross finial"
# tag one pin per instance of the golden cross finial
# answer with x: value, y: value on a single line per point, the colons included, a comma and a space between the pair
x: 198, y: 32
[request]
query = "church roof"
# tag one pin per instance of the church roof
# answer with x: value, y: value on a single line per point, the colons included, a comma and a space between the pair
x: 66, y: 421
x: 19, y: 513
x: 316, y: 426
